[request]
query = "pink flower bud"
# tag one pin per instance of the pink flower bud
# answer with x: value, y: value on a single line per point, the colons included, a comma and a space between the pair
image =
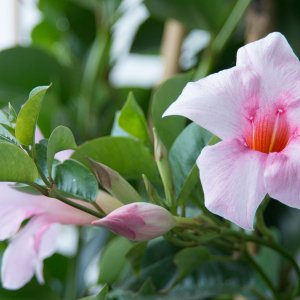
x: 138, y: 221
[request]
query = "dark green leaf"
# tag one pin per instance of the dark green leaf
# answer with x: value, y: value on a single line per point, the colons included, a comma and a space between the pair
x: 189, y: 259
x: 185, y: 151
x: 60, y: 139
x: 133, y: 121
x: 75, y: 180
x: 168, y: 128
x: 199, y: 14
x: 128, y: 157
x: 28, y: 115
x: 16, y: 165
x: 135, y: 256
x: 113, y: 259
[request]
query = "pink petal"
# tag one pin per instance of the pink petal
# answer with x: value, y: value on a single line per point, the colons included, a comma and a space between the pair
x: 24, y: 255
x: 282, y: 174
x: 275, y: 62
x: 64, y: 155
x: 232, y: 180
x: 219, y: 102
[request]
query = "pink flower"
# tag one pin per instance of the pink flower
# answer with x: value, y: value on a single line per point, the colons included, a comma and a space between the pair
x: 33, y: 243
x: 138, y: 221
x: 254, y: 108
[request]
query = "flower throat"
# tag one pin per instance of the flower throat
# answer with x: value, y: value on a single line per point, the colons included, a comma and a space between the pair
x: 268, y: 132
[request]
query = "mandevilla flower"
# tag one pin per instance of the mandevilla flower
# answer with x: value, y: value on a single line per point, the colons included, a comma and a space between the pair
x: 254, y: 108
x: 36, y: 240
x: 138, y: 221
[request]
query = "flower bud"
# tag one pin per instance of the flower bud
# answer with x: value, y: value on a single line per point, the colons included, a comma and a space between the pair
x: 138, y: 221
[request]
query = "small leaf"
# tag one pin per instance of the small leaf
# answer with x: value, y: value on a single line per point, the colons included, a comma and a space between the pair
x: 113, y: 259
x: 133, y: 121
x: 75, y: 180
x: 16, y: 165
x: 102, y: 295
x: 60, y: 139
x: 28, y: 115
x: 189, y: 259
x: 127, y: 156
x: 115, y: 184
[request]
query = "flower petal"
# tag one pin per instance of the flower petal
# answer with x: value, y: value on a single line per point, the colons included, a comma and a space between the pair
x: 23, y: 258
x: 282, y: 174
x: 232, y: 180
x: 275, y: 62
x: 219, y: 102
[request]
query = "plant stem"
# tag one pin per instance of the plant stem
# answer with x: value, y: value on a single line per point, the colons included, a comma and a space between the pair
x: 54, y: 194
x: 260, y: 223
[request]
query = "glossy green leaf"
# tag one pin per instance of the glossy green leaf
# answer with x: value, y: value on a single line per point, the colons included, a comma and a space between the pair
x: 189, y: 259
x: 133, y: 121
x: 102, y: 295
x: 115, y: 184
x: 28, y: 116
x: 185, y: 151
x: 75, y: 180
x: 60, y: 139
x: 16, y: 165
x: 113, y: 259
x: 168, y: 128
x: 127, y: 156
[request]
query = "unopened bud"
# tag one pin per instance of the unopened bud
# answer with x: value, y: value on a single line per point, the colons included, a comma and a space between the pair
x: 107, y: 203
x: 138, y: 221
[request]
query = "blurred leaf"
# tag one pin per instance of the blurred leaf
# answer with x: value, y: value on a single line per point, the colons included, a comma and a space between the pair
x: 147, y: 288
x: 75, y: 180
x: 113, y: 259
x: 189, y: 259
x: 115, y: 184
x: 60, y: 139
x: 168, y: 128
x: 185, y: 151
x: 157, y: 265
x: 135, y: 256
x: 102, y: 295
x: 40, y: 69
x: 28, y: 115
x: 199, y: 14
x: 128, y: 157
x: 16, y: 165
x: 133, y: 121
x: 152, y: 29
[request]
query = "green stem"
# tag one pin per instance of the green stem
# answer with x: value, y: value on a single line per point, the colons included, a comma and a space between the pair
x: 262, y: 274
x: 54, y: 194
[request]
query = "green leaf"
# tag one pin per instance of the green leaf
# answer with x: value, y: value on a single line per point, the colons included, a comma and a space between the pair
x: 127, y: 156
x: 157, y: 264
x: 60, y: 139
x: 28, y: 115
x: 41, y: 156
x: 75, y: 180
x: 189, y: 259
x: 115, y: 184
x: 185, y: 151
x: 135, y: 256
x: 133, y: 121
x: 16, y: 165
x: 168, y: 128
x: 113, y: 259
x: 102, y: 295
